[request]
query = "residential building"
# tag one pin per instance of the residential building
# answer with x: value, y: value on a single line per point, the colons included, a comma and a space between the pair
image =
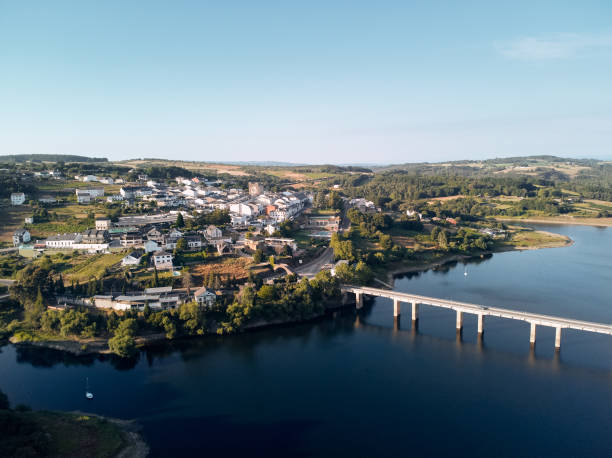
x: 17, y: 198
x: 162, y: 260
x: 133, y: 238
x: 150, y: 246
x: 132, y: 259
x: 47, y: 199
x: 103, y: 224
x: 83, y: 197
x: 21, y: 236
x: 204, y: 297
x: 213, y: 232
x: 66, y: 241
x: 279, y: 243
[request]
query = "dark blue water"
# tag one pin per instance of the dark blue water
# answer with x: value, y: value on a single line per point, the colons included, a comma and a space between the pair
x: 366, y: 385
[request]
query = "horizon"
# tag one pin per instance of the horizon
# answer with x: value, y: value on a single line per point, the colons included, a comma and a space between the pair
x: 334, y: 84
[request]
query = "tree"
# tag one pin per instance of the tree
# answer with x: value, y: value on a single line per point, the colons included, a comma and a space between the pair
x: 386, y: 242
x: 363, y: 273
x: 34, y: 310
x: 181, y: 246
x: 258, y: 256
x: 442, y: 240
x: 180, y: 222
x: 266, y: 293
x: 122, y: 343
x: 271, y: 260
x: 155, y: 277
x: 344, y: 273
x: 187, y: 282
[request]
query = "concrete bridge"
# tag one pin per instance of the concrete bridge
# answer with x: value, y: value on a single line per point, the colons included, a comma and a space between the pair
x: 535, y: 319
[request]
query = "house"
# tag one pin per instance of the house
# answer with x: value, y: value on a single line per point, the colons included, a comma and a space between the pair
x: 279, y: 243
x: 17, y: 198
x: 133, y: 238
x: 47, y: 199
x: 204, y: 297
x: 63, y: 240
x: 151, y: 246
x: 155, y: 235
x: 29, y: 220
x: 162, y: 260
x: 175, y: 233
x: 213, y: 232
x: 96, y: 192
x: 95, y: 236
x: 132, y: 259
x: 89, y: 178
x: 21, y: 236
x: 107, y: 180
x: 103, y: 224
x: 83, y: 197
x: 194, y: 242
x: 130, y: 192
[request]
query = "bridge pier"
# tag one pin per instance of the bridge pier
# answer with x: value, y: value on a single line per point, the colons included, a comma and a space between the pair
x: 415, y: 311
x: 459, y: 320
x: 532, y: 335
x: 396, y: 308
x: 557, y: 338
x: 480, y: 324
x: 358, y: 300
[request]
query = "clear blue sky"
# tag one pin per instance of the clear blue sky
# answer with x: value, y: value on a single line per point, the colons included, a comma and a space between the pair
x: 310, y: 81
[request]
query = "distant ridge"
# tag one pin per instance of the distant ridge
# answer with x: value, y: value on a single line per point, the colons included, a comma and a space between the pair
x: 50, y: 158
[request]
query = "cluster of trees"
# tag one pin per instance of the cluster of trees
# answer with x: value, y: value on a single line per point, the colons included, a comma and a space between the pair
x: 10, y: 183
x: 356, y: 274
x: 167, y: 172
x: 289, y: 300
x: 216, y: 217
x: 328, y: 200
x: 398, y: 186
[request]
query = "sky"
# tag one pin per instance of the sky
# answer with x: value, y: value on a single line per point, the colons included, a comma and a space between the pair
x: 306, y: 82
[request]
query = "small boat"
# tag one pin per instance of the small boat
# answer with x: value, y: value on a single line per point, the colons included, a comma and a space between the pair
x: 465, y: 272
x: 88, y: 394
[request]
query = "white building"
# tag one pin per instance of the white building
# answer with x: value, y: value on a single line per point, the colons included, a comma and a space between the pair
x: 66, y: 241
x: 17, y: 198
x: 21, y: 236
x: 83, y: 197
x: 213, y: 232
x: 162, y: 260
x: 205, y: 297
x: 103, y: 224
x: 132, y: 259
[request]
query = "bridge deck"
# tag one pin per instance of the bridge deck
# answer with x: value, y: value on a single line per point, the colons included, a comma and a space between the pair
x: 536, y: 318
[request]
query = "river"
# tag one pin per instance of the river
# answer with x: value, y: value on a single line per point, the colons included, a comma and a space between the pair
x: 364, y: 385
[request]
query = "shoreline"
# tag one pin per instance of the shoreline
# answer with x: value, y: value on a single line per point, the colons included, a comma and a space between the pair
x: 99, y: 346
x: 571, y: 221
x: 394, y: 272
x: 135, y: 446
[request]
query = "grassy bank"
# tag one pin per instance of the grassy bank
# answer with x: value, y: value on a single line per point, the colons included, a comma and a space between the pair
x: 560, y: 220
x: 60, y: 434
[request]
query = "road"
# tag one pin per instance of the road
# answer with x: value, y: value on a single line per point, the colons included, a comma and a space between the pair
x: 313, y: 267
x: 6, y: 282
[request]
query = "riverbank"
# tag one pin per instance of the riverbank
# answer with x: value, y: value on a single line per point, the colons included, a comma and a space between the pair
x: 74, y: 434
x: 522, y: 240
x: 560, y: 220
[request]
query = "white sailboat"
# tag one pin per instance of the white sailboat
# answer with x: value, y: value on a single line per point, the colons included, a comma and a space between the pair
x: 88, y: 394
